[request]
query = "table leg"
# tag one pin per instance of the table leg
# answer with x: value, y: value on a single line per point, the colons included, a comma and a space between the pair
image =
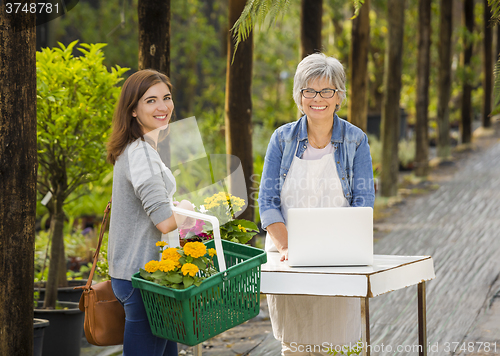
x: 197, y: 350
x: 365, y: 325
x: 422, y: 322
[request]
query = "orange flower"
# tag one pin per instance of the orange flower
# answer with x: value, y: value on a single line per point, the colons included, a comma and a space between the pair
x: 171, y: 254
x: 212, y: 252
x: 167, y: 265
x: 151, y: 266
x: 195, y: 249
x: 190, y: 269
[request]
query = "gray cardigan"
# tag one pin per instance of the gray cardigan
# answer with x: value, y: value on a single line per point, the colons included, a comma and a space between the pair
x: 142, y: 197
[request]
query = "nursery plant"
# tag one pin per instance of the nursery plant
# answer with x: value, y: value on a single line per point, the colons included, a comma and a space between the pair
x: 75, y: 101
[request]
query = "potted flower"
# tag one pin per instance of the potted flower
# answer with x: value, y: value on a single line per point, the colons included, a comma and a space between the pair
x: 224, y: 206
x: 181, y: 267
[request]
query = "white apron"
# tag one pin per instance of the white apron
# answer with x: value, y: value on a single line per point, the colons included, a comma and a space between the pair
x: 313, y: 320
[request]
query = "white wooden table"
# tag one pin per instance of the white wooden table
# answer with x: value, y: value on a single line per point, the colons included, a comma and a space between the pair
x: 388, y: 273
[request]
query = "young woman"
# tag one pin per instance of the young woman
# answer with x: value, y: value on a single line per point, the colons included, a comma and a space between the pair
x: 142, y: 200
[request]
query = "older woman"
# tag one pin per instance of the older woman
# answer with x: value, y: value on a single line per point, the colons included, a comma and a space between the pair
x: 318, y: 161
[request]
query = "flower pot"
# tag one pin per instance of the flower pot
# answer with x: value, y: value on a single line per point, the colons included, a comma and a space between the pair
x: 64, y: 294
x: 39, y: 326
x: 64, y: 336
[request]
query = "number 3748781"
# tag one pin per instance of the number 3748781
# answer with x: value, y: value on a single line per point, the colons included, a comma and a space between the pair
x: 470, y: 346
x: 33, y: 8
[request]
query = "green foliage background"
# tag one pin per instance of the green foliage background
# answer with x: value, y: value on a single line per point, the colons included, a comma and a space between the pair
x: 75, y: 102
x: 198, y: 63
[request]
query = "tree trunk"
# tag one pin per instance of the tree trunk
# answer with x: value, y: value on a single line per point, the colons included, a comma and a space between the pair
x: 238, y: 107
x: 423, y: 68
x: 488, y: 65
x: 154, y: 45
x: 444, y: 79
x: 57, y: 265
x: 392, y: 95
x: 498, y: 41
x: 154, y: 35
x: 466, y: 122
x: 358, y: 66
x: 310, y: 27
x: 18, y: 168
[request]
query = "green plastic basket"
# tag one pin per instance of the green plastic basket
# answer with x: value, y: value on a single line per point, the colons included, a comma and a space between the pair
x: 193, y: 315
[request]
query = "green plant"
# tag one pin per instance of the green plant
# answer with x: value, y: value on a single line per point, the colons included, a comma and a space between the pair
x: 102, y: 267
x: 75, y: 103
x: 77, y: 245
x: 180, y: 267
x: 406, y: 152
x: 223, y: 206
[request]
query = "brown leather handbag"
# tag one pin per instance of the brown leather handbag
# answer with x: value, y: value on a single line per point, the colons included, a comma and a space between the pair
x: 104, y: 315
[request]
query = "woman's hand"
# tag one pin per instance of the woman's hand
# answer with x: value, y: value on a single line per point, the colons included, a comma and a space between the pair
x: 284, y: 254
x: 183, y: 221
x: 279, y: 235
x: 176, y: 220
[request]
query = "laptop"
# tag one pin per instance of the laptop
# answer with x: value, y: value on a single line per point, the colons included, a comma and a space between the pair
x: 330, y: 236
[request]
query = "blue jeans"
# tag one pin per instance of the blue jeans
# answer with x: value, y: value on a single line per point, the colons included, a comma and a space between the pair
x: 138, y: 339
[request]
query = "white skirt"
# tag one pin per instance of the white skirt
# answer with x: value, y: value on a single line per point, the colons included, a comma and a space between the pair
x: 314, y: 320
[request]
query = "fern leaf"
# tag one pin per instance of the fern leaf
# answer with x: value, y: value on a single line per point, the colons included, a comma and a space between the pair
x: 495, y: 10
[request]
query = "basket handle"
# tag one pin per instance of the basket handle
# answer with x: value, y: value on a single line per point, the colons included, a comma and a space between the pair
x: 215, y: 224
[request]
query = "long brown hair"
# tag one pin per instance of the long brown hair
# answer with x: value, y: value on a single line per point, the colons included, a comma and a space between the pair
x: 126, y: 128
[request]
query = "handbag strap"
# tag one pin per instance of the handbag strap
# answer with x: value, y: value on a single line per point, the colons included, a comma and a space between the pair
x: 96, y: 254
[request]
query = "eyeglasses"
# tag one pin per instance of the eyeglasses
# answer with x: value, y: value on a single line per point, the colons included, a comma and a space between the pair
x: 309, y: 93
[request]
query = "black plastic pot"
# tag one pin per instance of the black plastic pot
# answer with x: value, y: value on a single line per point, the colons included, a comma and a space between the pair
x: 39, y: 326
x: 64, y: 336
x: 64, y: 294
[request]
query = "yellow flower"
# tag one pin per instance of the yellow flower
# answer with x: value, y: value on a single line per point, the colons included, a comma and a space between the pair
x: 225, y: 199
x: 166, y: 265
x: 190, y: 269
x: 161, y: 243
x: 171, y: 254
x: 212, y: 252
x: 195, y: 249
x: 241, y: 228
x: 151, y: 266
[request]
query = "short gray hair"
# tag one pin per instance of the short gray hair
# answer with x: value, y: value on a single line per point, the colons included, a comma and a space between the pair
x: 315, y: 66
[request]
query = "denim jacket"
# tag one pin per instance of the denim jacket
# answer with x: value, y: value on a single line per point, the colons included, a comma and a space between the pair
x: 351, y: 155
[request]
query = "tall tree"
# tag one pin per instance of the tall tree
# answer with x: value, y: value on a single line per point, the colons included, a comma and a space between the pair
x: 498, y: 41
x: 392, y: 95
x: 466, y: 122
x: 358, y: 66
x: 488, y: 65
x: 310, y: 27
x: 18, y: 167
x: 238, y: 107
x: 444, y: 78
x: 423, y: 68
x: 154, y: 35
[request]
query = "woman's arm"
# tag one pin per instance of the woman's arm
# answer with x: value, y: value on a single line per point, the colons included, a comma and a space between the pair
x: 270, y: 190
x: 146, y: 175
x: 363, y: 191
x: 176, y: 220
x: 279, y: 235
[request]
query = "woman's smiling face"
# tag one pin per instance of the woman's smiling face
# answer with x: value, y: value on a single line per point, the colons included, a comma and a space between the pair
x: 155, y: 108
x: 320, y: 109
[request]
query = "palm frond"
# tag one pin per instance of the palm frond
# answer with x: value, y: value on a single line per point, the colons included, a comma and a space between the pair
x: 255, y: 12
x: 495, y: 10
x: 357, y: 7
x: 496, y: 90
